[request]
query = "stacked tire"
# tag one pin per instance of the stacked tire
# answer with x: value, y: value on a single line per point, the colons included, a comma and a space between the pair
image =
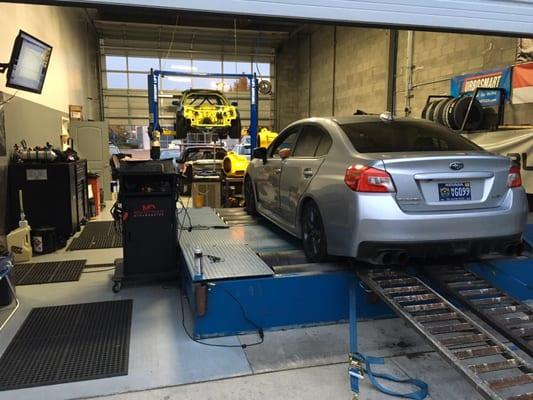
x: 451, y: 112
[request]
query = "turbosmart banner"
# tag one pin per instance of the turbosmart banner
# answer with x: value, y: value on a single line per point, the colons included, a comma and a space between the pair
x: 494, y: 78
x: 517, y: 144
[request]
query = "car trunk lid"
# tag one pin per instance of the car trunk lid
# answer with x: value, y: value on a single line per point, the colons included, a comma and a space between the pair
x: 447, y: 181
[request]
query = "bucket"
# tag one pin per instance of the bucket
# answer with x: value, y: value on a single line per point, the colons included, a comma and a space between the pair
x: 44, y: 240
x: 198, y: 201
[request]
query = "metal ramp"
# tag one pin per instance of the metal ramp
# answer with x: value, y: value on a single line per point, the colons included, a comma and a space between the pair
x: 510, y: 317
x: 495, y: 370
x: 236, y: 216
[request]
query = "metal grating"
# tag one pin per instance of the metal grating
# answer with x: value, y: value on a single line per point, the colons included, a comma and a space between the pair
x: 236, y: 261
x: 97, y: 235
x: 236, y: 216
x: 69, y: 343
x: 488, y: 364
x: 47, y: 272
x: 510, y: 317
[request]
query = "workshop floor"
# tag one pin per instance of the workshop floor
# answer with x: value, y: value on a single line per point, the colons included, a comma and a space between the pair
x: 165, y: 364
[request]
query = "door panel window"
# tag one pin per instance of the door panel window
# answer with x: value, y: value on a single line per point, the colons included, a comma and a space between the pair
x: 286, y: 142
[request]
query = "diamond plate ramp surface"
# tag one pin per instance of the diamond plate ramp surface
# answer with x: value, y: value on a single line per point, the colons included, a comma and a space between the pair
x: 68, y: 343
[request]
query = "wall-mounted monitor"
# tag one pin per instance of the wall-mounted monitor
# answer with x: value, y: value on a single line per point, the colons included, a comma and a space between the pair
x: 28, y: 64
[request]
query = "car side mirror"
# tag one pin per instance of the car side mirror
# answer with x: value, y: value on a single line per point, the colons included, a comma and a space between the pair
x: 234, y: 104
x: 284, y: 153
x: 261, y: 153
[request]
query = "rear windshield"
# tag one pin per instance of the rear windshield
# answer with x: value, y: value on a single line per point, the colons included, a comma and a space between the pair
x: 404, y: 136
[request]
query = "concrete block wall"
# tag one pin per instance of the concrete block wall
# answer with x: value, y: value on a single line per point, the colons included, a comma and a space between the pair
x: 439, y: 56
x: 361, y: 70
x: 321, y: 70
x: 331, y: 71
x: 335, y: 70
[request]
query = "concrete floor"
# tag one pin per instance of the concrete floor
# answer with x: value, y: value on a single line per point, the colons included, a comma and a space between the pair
x: 308, y: 363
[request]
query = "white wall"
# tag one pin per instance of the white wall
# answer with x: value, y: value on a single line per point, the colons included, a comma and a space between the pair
x: 70, y: 78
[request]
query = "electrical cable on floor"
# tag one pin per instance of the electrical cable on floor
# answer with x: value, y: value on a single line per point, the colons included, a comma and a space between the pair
x: 260, y: 331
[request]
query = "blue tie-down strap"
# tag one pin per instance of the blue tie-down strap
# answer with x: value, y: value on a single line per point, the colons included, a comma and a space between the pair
x: 419, y: 394
x: 5, y: 266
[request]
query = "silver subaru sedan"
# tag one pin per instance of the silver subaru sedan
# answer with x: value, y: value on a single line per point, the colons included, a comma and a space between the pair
x: 383, y: 190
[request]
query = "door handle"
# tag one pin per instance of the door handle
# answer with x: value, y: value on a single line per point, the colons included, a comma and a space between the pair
x: 308, y: 173
x: 277, y: 171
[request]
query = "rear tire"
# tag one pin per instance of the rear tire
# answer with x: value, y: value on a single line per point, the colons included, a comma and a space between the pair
x: 235, y: 130
x: 249, y: 197
x: 313, y: 233
x: 222, y: 134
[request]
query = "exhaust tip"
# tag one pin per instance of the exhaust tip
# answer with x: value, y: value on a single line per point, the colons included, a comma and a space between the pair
x: 401, y: 258
x: 510, y: 250
x: 383, y: 258
x: 386, y: 258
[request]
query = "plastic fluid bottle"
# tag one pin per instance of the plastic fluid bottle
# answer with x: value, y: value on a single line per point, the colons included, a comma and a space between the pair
x: 19, y: 243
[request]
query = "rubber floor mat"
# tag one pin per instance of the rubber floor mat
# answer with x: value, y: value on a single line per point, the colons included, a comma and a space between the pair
x: 47, y: 272
x: 97, y: 235
x: 68, y: 343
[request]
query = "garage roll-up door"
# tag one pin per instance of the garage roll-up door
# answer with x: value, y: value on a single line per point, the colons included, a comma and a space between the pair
x: 503, y: 16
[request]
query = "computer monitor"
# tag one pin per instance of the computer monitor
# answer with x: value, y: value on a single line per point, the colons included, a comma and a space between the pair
x: 28, y: 64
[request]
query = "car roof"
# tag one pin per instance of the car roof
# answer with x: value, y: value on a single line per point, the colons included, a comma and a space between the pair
x: 202, y: 91
x: 354, y: 119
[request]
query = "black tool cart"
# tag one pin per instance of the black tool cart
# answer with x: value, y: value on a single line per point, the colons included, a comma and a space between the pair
x: 146, y: 213
x: 54, y: 193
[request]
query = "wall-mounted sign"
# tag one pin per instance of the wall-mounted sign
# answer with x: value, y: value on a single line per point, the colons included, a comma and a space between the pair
x: 495, y: 78
x: 523, y: 84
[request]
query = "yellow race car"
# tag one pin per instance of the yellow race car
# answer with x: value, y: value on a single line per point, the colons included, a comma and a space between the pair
x: 201, y: 110
x: 237, y: 160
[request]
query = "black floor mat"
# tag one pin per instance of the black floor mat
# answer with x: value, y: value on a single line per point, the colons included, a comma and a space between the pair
x: 67, y: 344
x: 97, y: 235
x: 47, y: 272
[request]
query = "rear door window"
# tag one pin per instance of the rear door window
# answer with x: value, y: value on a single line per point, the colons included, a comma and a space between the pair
x: 404, y: 136
x: 308, y: 141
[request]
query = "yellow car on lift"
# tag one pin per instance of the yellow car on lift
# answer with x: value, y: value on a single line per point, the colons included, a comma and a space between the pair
x: 200, y: 110
x: 237, y: 160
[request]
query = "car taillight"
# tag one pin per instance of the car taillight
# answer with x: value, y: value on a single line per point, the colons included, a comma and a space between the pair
x: 514, y: 179
x: 361, y: 178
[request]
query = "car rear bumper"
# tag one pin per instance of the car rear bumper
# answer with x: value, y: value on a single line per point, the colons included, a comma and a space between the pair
x: 380, y: 222
x: 372, y: 251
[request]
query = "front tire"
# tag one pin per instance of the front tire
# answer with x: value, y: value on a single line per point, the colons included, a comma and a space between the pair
x: 235, y: 130
x: 181, y: 127
x: 249, y: 197
x: 313, y: 233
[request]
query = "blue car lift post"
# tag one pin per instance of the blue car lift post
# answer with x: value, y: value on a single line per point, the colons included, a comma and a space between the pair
x: 153, y: 98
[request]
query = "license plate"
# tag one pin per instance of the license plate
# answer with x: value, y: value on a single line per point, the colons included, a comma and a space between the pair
x: 455, y: 191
